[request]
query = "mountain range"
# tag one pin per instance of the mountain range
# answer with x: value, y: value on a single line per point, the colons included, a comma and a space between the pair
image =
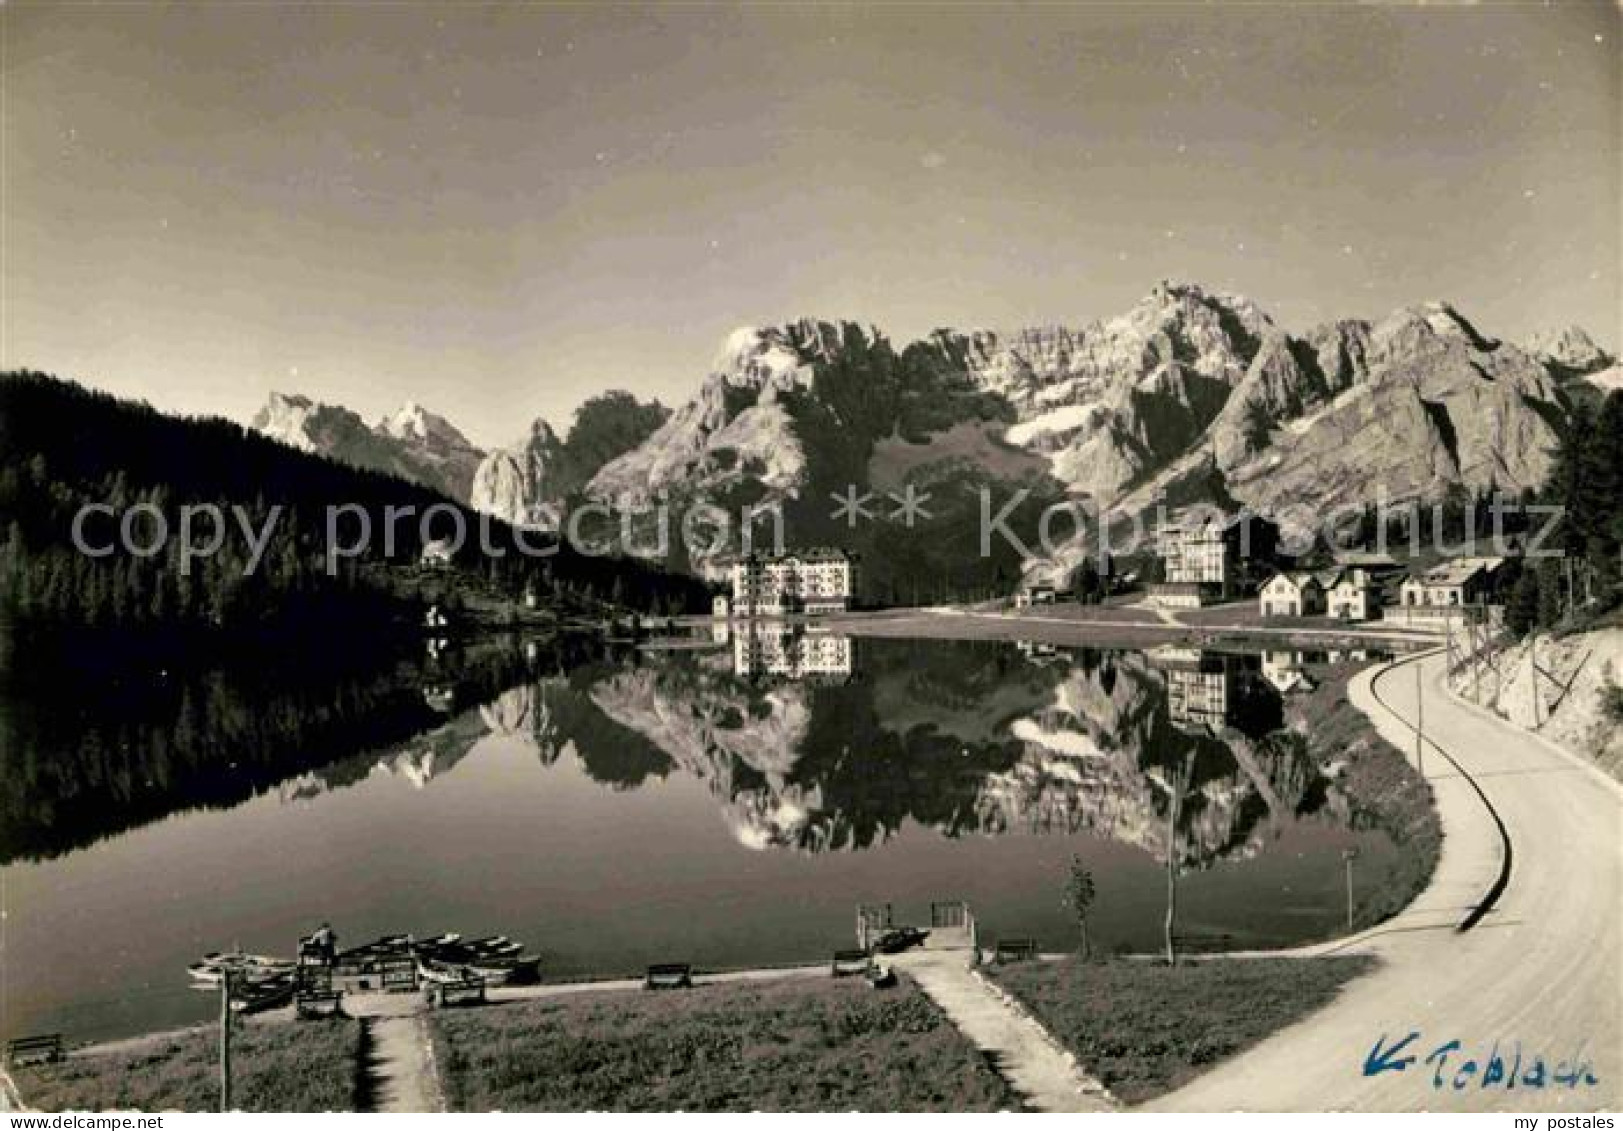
x: 1190, y: 395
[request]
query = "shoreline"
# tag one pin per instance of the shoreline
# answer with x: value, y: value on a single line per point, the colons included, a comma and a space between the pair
x: 962, y: 624
x: 612, y: 981
x: 1548, y: 942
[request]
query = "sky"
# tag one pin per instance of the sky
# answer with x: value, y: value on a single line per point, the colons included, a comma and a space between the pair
x: 499, y: 211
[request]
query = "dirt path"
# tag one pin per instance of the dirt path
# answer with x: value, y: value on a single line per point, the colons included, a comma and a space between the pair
x: 399, y: 1071
x: 1046, y: 1077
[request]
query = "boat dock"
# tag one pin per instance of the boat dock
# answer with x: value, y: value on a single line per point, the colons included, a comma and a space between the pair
x: 951, y: 926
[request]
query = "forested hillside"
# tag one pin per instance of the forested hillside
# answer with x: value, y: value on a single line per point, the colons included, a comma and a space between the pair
x: 63, y: 447
x: 1587, y: 483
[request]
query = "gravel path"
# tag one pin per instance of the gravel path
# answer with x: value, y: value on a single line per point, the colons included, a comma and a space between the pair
x: 1046, y: 1077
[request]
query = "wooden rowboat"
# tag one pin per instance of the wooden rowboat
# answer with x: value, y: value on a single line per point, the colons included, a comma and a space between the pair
x: 248, y: 967
x: 269, y: 994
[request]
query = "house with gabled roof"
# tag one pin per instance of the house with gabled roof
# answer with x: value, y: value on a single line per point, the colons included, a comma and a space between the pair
x: 1354, y: 595
x: 1293, y: 593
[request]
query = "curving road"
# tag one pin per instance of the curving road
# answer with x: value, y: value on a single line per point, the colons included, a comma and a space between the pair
x: 1541, y: 973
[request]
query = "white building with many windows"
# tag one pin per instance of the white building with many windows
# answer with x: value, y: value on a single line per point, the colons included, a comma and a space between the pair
x: 1211, y: 558
x: 811, y: 582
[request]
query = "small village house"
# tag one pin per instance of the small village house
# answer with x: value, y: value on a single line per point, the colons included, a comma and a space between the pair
x: 1037, y: 593
x: 1453, y: 584
x: 1355, y: 595
x: 1294, y: 594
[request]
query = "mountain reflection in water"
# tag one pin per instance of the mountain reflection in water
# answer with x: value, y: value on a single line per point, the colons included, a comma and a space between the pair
x: 726, y: 804
x: 804, y: 749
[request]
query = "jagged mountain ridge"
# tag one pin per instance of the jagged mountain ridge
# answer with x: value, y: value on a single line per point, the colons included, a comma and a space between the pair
x: 413, y: 443
x: 1193, y: 394
x: 1187, y: 384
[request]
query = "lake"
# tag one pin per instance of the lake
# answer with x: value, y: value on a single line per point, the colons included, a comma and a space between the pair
x: 726, y: 806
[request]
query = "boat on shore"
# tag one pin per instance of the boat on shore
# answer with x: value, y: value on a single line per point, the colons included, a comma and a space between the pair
x: 262, y: 981
x: 207, y: 972
x: 272, y: 993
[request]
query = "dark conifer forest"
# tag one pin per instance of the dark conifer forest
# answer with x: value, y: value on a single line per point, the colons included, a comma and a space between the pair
x: 63, y: 447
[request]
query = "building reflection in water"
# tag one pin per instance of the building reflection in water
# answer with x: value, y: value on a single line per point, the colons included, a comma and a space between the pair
x: 1211, y: 691
x: 1286, y: 670
x: 796, y: 652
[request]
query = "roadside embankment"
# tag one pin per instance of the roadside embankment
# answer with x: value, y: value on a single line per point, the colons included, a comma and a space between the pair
x: 1568, y: 689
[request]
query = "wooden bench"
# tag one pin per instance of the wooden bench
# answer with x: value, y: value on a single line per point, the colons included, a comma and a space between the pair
x: 313, y: 993
x: 376, y: 972
x: 322, y: 1003
x: 468, y: 991
x: 669, y: 976
x: 398, y: 974
x: 34, y: 1050
x: 1015, y: 950
x: 850, y: 962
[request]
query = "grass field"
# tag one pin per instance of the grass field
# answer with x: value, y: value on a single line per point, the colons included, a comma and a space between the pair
x: 1142, y: 1028
x: 777, y: 1046
x: 305, y: 1066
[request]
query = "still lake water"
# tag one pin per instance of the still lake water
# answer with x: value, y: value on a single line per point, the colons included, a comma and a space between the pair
x: 727, y: 807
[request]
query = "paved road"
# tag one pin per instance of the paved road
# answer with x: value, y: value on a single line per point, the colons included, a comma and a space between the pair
x: 1542, y: 972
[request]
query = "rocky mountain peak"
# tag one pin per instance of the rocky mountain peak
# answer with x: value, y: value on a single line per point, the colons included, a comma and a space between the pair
x: 514, y: 483
x: 785, y: 356
x: 415, y: 424
x: 1569, y: 348
x: 302, y: 423
x: 413, y: 443
x: 1422, y: 329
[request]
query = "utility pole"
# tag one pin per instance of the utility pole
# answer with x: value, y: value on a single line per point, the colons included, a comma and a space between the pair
x: 1348, y: 855
x: 1180, y: 783
x: 225, y: 1039
x: 1532, y: 675
x: 1476, y: 664
x: 1419, y: 721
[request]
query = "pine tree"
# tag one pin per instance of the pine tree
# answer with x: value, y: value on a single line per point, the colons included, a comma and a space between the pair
x: 1522, y: 614
x: 1551, y: 594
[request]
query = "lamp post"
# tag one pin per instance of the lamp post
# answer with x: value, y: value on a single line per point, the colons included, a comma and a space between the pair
x: 225, y: 1038
x: 1348, y: 855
